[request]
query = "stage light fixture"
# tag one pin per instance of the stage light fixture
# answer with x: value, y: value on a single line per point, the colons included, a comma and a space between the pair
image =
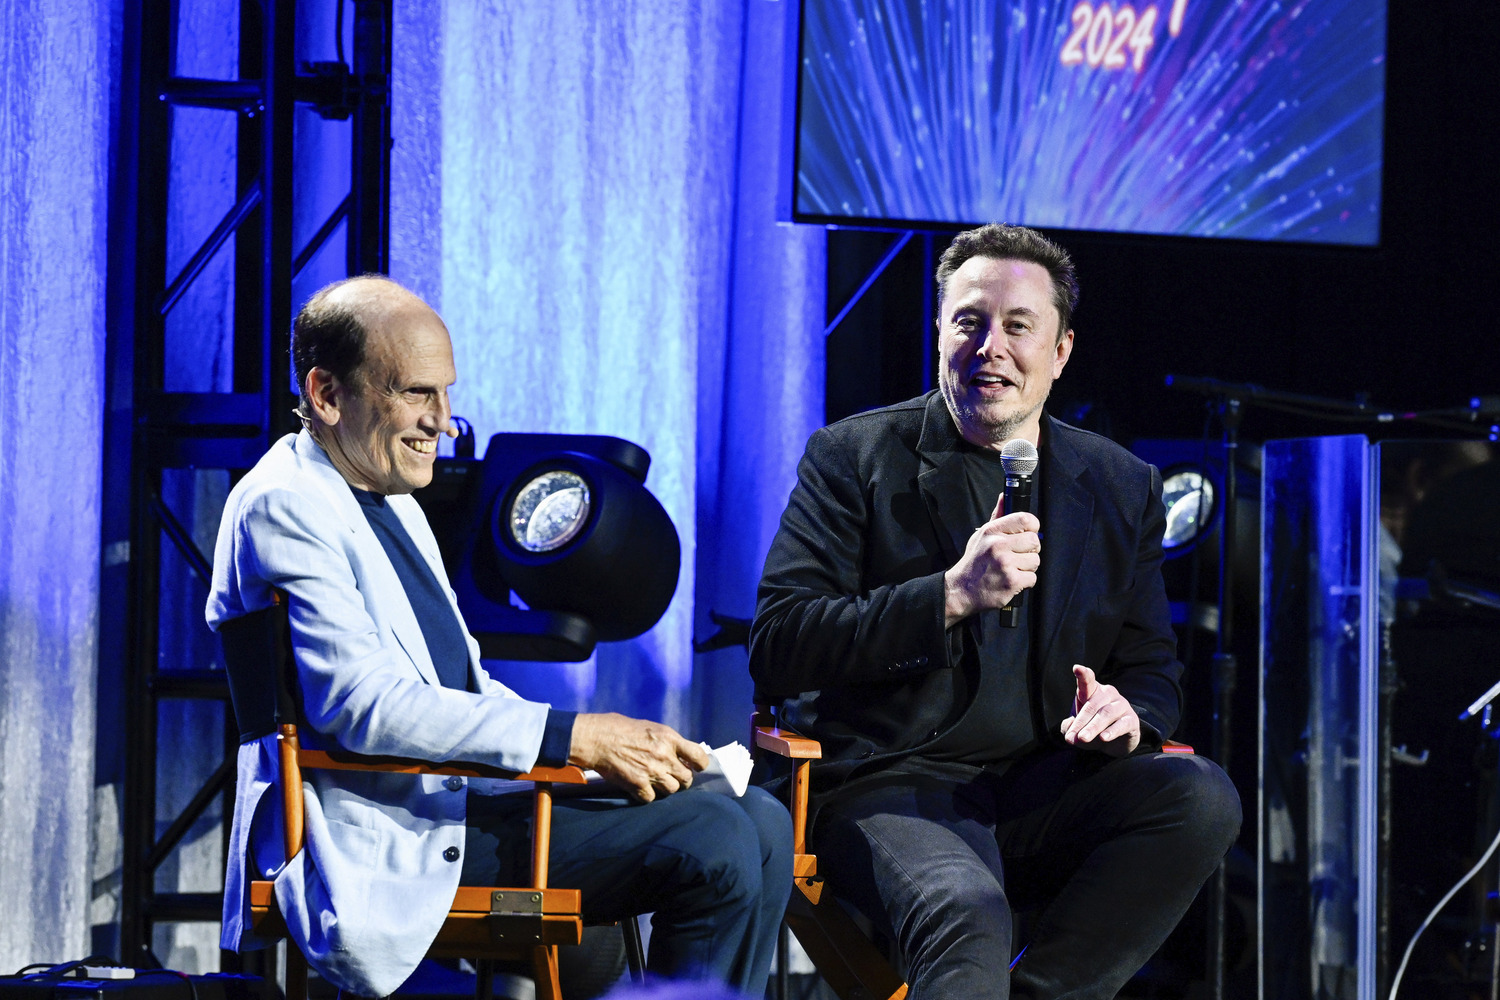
x: 1188, y: 494
x: 553, y: 543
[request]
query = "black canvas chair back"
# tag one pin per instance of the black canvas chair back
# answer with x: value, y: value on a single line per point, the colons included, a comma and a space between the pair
x: 262, y: 671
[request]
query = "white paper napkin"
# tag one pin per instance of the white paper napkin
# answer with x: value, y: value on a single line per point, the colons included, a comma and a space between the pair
x: 728, y: 771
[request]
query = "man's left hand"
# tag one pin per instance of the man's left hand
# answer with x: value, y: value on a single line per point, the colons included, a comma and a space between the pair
x: 1102, y: 719
x: 647, y: 759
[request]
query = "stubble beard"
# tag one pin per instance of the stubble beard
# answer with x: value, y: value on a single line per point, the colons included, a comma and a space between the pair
x: 995, y: 429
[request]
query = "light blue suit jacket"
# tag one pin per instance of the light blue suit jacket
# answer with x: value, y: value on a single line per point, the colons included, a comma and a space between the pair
x: 366, y: 895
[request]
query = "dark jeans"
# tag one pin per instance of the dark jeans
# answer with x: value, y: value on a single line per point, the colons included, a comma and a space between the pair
x: 714, y: 871
x: 1109, y: 853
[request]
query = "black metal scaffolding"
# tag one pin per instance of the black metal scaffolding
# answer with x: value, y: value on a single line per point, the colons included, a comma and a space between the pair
x: 169, y: 431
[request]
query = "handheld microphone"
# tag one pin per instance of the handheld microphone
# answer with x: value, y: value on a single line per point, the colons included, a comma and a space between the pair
x: 1019, y: 459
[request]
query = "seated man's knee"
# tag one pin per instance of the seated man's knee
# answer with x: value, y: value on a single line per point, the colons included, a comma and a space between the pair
x: 1210, y: 804
x: 956, y: 911
x: 962, y: 894
x: 938, y: 897
x: 723, y: 842
x: 772, y: 822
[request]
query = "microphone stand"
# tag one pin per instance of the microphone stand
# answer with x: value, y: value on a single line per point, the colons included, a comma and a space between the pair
x: 1225, y: 674
x: 1481, y: 417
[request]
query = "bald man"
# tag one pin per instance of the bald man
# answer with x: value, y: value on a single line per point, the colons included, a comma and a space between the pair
x: 387, y: 667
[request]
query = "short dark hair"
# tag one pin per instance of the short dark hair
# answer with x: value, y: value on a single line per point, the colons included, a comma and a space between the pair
x: 1004, y: 242
x: 330, y: 335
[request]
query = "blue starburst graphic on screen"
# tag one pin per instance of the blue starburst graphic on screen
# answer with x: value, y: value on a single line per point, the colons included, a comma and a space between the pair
x: 1193, y: 117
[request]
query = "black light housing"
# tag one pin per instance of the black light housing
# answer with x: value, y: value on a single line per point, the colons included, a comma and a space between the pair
x: 565, y: 522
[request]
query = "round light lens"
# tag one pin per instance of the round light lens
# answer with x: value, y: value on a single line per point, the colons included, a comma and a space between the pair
x: 549, y: 511
x: 1189, y: 498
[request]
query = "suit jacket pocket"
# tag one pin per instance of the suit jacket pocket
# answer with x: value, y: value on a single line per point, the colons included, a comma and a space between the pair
x: 346, y: 864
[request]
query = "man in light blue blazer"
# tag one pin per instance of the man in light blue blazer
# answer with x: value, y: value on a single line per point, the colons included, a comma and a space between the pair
x: 386, y: 666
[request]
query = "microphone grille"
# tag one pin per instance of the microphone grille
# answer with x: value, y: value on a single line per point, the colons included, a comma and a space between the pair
x: 1019, y: 457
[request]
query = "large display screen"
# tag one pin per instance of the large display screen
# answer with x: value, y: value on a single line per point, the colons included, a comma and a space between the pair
x: 1251, y: 119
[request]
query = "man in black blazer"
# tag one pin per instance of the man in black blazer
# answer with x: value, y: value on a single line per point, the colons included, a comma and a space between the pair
x: 972, y: 769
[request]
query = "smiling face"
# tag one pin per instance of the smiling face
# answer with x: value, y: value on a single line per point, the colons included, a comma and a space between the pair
x: 381, y: 428
x: 999, y: 349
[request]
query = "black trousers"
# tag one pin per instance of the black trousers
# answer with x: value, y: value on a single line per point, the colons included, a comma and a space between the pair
x: 714, y: 871
x: 1109, y: 853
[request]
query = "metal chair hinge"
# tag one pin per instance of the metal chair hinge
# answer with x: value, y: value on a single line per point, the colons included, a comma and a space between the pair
x: 515, y: 902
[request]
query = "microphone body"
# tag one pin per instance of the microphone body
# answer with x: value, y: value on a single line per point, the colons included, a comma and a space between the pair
x: 1019, y: 458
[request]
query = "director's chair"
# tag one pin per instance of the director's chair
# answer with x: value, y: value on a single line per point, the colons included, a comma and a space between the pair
x: 484, y: 924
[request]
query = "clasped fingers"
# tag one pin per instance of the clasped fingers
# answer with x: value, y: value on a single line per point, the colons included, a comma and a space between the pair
x: 1006, y: 562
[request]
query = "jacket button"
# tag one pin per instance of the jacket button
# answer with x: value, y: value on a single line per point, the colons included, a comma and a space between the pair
x: 454, y: 783
x: 921, y: 661
x: 451, y: 854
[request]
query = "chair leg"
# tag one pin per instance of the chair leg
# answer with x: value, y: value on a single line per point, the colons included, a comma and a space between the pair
x: 635, y: 955
x: 296, y: 973
x: 847, y: 960
x: 783, y: 948
x: 484, y: 979
x: 544, y: 958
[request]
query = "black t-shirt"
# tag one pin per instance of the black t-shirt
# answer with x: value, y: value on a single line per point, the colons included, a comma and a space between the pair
x: 999, y: 722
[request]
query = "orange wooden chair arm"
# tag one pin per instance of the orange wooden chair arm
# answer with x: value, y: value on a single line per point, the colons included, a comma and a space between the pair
x: 294, y: 759
x: 338, y: 760
x: 785, y: 743
x: 801, y: 751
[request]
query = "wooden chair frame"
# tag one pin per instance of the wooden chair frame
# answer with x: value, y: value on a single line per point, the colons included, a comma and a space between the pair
x: 509, y: 924
x: 845, y: 957
x: 485, y: 924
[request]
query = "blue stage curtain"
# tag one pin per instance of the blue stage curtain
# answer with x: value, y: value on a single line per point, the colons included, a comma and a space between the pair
x: 54, y: 144
x: 586, y: 192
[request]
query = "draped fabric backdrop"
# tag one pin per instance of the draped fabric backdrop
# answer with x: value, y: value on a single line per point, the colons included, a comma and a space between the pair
x: 586, y: 192
x: 54, y: 142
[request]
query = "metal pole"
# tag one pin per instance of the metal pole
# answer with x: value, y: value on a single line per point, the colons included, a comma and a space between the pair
x: 1225, y: 671
x: 155, y: 22
x: 370, y: 148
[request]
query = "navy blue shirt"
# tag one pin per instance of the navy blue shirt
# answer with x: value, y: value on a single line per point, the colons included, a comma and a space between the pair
x: 445, y: 638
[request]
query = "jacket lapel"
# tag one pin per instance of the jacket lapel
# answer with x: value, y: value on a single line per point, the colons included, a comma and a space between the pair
x: 1067, y: 511
x: 379, y: 577
x: 420, y: 532
x: 942, y: 482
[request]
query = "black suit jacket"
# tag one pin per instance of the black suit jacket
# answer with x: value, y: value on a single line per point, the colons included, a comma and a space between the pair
x: 848, y: 633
